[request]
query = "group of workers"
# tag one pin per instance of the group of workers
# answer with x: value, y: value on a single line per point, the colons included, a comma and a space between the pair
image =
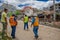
x: 13, y: 24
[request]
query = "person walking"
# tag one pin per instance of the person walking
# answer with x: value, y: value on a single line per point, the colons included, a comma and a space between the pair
x: 26, y: 22
x: 4, y: 23
x: 35, y: 24
x: 13, y: 24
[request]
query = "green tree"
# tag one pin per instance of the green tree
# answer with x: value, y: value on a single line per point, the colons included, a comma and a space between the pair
x: 17, y: 12
x: 10, y: 13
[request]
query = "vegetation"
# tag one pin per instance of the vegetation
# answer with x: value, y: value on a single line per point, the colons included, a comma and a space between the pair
x: 10, y: 13
x: 17, y: 12
x: 5, y: 37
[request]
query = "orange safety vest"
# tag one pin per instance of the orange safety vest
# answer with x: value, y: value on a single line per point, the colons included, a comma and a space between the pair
x: 36, y: 23
x: 12, y: 21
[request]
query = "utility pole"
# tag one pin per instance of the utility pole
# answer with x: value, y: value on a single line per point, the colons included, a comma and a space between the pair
x: 54, y: 11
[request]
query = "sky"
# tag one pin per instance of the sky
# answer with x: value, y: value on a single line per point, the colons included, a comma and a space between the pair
x: 46, y: 0
x: 34, y: 3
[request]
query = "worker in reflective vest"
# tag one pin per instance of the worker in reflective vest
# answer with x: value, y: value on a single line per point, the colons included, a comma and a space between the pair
x: 26, y: 22
x: 35, y: 24
x: 13, y: 24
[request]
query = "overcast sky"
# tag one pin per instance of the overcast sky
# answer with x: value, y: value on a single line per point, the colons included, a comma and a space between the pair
x: 34, y: 3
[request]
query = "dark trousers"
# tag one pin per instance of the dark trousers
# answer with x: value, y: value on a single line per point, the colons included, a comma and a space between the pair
x: 13, y: 31
x: 4, y: 29
x: 35, y: 30
x: 25, y: 26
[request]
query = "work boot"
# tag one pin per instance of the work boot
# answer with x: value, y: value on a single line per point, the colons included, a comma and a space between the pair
x: 36, y: 37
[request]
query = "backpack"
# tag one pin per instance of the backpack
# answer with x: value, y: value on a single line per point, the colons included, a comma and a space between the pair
x: 33, y: 20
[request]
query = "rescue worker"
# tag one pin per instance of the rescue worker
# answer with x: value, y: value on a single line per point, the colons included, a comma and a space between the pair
x: 26, y: 22
x: 35, y: 24
x: 13, y: 24
x: 4, y: 23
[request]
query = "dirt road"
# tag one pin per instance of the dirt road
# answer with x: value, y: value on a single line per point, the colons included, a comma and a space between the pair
x: 45, y: 32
